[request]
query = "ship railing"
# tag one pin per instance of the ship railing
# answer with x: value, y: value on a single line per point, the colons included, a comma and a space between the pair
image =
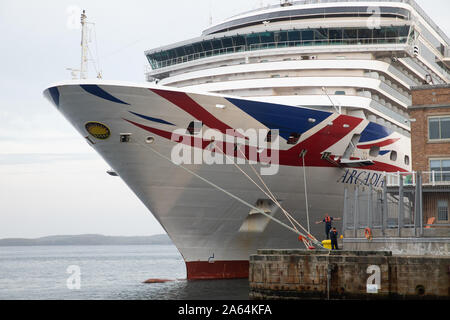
x: 275, y: 45
x: 412, y: 3
x: 328, y: 42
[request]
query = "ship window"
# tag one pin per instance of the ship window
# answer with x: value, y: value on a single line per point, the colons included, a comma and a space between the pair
x: 217, y: 44
x: 393, y: 155
x: 189, y: 49
x: 207, y: 45
x: 180, y: 52
x: 254, y: 41
x: 253, y: 38
x: 272, y: 135
x: 293, y: 138
x: 335, y: 34
x: 239, y: 41
x: 227, y: 42
x: 194, y: 127
x: 407, y: 160
x: 403, y: 31
x: 267, y: 37
x: 310, y: 13
x: 391, y: 32
x: 340, y: 93
x: 198, y: 47
x: 364, y: 33
x: 294, y: 35
x: 350, y: 33
x: 379, y: 33
x: 283, y: 36
x: 307, y: 35
x: 374, y: 151
x: 321, y: 34
x: 269, y: 136
x: 125, y: 137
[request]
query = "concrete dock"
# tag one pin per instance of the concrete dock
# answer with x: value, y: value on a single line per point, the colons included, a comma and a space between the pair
x: 302, y: 274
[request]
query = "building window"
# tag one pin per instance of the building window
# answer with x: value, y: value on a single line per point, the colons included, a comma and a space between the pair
x: 441, y: 169
x: 442, y: 210
x: 439, y: 128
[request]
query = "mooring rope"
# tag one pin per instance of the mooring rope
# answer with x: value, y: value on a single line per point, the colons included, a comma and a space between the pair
x: 273, y: 198
x: 317, y: 243
x: 306, y: 241
x: 306, y: 192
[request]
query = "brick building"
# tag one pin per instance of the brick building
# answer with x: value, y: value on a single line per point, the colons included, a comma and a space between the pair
x: 430, y: 128
x: 430, y: 140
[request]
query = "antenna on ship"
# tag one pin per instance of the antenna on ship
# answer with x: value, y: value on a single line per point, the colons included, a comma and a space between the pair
x: 210, y: 13
x: 85, y: 51
x: 84, y: 46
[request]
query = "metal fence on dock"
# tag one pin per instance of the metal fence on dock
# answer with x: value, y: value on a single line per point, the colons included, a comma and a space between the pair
x: 399, y: 203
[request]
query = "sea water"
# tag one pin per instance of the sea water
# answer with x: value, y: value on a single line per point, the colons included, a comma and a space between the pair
x: 106, y: 273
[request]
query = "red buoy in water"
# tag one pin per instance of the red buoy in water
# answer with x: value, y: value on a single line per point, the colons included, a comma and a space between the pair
x: 157, y: 281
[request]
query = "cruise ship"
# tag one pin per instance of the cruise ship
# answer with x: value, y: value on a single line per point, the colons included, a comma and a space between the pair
x: 326, y: 82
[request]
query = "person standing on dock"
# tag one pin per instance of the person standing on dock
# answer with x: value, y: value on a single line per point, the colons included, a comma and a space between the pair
x: 334, y: 239
x: 328, y: 224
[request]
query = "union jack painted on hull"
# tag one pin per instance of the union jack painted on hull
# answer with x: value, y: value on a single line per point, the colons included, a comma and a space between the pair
x: 341, y: 151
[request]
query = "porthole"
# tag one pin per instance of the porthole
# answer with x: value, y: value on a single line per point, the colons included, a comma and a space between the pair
x: 293, y: 138
x: 374, y: 151
x: 407, y: 160
x: 393, y: 155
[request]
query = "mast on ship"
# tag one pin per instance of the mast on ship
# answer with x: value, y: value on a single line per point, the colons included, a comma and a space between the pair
x: 82, y: 72
x: 84, y: 46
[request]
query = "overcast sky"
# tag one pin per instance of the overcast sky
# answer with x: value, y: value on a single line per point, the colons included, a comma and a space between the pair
x: 51, y: 181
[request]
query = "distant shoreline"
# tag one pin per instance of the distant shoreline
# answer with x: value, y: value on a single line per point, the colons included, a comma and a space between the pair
x: 87, y: 240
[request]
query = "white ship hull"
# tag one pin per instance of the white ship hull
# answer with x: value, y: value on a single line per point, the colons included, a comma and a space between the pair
x: 215, y: 233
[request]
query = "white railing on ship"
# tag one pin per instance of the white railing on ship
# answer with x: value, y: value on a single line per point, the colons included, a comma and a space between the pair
x: 429, y: 178
x: 412, y: 3
x: 276, y: 45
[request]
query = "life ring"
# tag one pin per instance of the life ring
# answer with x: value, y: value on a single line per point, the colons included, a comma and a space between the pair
x: 368, y: 234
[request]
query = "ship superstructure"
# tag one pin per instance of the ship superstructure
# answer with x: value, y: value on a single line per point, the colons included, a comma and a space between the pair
x: 362, y: 56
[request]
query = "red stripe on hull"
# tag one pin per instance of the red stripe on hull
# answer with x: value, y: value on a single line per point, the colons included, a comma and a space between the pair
x: 186, y: 103
x: 379, y: 144
x: 203, y: 270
